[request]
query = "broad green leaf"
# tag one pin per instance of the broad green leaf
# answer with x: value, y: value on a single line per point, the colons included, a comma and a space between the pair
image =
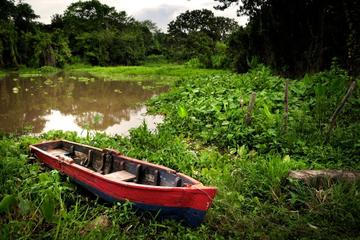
x: 242, y: 151
x: 182, y: 112
x: 286, y: 158
x: 44, y: 177
x: 268, y: 113
x: 7, y: 202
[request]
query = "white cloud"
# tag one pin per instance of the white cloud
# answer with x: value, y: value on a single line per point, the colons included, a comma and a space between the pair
x: 159, y: 11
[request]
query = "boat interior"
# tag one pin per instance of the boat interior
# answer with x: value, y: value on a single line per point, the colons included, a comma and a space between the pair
x: 113, y: 165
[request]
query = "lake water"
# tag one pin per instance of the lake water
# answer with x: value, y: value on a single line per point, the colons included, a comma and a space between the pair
x: 75, y: 103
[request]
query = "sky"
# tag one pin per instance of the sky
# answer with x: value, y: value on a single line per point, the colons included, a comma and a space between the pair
x: 159, y: 11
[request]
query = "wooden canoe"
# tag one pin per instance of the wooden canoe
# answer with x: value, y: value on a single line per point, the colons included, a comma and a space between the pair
x: 115, y: 177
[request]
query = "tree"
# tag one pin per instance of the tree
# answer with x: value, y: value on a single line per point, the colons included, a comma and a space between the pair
x: 298, y: 36
x: 246, y: 7
x: 238, y: 50
x: 86, y: 16
x: 193, y: 34
x: 224, y: 27
x: 7, y: 10
x: 24, y: 17
x: 15, y: 20
x: 100, y: 35
x: 151, y: 26
x: 93, y: 32
x: 203, y: 21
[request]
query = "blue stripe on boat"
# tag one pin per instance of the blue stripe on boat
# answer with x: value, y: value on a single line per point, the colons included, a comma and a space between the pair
x: 190, y: 216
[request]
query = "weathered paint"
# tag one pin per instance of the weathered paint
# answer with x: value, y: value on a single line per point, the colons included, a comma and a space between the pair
x: 189, y: 203
x: 191, y: 217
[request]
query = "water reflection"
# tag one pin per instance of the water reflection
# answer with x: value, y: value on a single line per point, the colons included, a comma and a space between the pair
x: 75, y: 103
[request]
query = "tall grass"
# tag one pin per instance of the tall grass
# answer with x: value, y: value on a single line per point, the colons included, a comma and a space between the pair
x: 204, y: 136
x: 255, y: 199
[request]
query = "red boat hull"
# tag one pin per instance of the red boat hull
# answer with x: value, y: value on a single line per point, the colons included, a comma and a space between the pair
x: 189, y: 203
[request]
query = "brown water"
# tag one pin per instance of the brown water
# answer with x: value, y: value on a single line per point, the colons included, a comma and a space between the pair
x: 78, y: 104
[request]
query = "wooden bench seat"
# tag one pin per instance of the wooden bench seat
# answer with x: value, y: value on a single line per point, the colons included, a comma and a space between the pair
x: 61, y: 154
x: 121, y: 176
x: 57, y: 152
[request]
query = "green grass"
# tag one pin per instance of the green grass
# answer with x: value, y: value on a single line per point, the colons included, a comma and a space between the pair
x: 255, y: 199
x: 150, y: 72
x: 161, y: 72
x: 204, y: 136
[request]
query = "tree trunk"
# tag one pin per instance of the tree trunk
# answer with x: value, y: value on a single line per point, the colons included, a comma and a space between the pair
x: 286, y: 105
x: 250, y: 108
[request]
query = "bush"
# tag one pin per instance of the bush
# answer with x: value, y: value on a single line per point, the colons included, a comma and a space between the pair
x: 48, y: 69
x: 216, y: 107
x: 194, y: 63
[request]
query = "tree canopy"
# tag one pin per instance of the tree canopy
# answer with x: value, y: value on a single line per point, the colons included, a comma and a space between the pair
x: 293, y: 37
x: 299, y: 36
x: 194, y: 34
x: 88, y: 31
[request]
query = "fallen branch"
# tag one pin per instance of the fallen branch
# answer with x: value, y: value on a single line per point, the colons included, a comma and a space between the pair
x: 338, y: 110
x: 318, y: 176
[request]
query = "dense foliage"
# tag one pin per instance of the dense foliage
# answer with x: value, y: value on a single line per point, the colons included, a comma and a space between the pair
x: 89, y: 32
x: 204, y: 136
x: 213, y: 109
x: 199, y: 35
x: 210, y: 132
x: 296, y: 37
x: 94, y: 33
x: 293, y: 37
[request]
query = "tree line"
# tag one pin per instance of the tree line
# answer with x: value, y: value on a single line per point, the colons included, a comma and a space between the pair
x: 87, y: 31
x: 293, y: 37
x: 298, y: 36
x: 94, y: 33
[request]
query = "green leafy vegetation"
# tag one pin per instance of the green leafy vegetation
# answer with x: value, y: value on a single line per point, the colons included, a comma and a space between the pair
x: 248, y: 163
x: 199, y: 35
x: 89, y: 32
x: 94, y: 33
x: 162, y: 72
x: 277, y: 36
x: 154, y: 71
x: 237, y: 132
x: 213, y: 109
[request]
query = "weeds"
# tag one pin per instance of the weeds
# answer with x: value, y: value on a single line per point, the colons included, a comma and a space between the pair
x: 212, y: 109
x: 204, y: 136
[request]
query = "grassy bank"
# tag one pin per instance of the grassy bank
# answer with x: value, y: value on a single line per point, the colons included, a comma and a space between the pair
x: 206, y: 136
x: 156, y: 72
x: 153, y: 72
x: 254, y: 198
